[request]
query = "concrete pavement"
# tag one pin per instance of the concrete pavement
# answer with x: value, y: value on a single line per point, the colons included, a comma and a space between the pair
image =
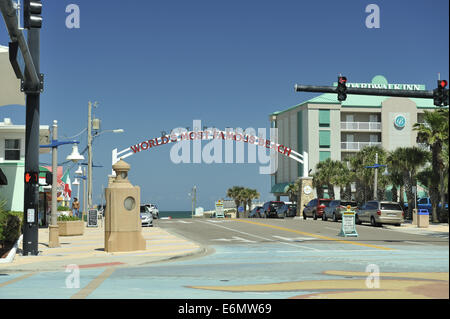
x: 87, y: 251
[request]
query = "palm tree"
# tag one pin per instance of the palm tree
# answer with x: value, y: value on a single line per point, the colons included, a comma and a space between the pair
x: 325, y: 171
x: 250, y: 194
x: 236, y: 193
x: 343, y: 177
x: 292, y: 191
x: 434, y: 132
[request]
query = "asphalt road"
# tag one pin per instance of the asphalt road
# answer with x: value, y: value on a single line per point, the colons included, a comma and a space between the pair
x: 265, y: 259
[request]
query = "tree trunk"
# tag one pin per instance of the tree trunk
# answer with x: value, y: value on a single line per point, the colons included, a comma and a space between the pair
x: 348, y: 192
x: 409, y: 193
x: 394, y: 191
x: 443, y: 215
x: 330, y: 191
x: 434, y: 187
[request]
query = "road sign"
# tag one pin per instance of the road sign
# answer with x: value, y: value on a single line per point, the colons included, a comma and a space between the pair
x: 240, y: 209
x: 348, y: 226
x: 92, y: 220
x: 219, y: 209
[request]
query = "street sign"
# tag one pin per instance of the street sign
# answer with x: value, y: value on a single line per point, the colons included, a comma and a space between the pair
x: 348, y: 226
x: 240, y: 209
x: 92, y: 220
x: 219, y: 209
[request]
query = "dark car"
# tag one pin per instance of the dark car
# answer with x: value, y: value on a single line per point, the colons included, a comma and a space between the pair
x: 315, y: 208
x: 255, y: 212
x: 287, y: 210
x: 335, y: 209
x: 270, y: 209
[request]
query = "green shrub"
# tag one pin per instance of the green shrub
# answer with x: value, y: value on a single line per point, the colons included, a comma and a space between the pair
x: 11, y: 230
x: 64, y: 218
x: 63, y: 209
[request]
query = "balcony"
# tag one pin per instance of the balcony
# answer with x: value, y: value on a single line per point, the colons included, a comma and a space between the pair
x: 361, y: 126
x: 356, y: 146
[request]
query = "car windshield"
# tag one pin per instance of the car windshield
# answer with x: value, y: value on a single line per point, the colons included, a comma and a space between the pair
x: 276, y: 204
x: 143, y: 209
x: 390, y: 206
x: 349, y: 203
x: 292, y: 206
x: 325, y: 203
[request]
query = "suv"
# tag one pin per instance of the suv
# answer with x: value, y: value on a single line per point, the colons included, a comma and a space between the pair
x: 270, y: 209
x: 315, y: 208
x: 380, y: 212
x: 335, y: 209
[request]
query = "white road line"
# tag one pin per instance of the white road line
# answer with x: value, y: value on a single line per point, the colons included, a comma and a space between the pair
x: 264, y: 238
x: 294, y: 239
x: 184, y: 222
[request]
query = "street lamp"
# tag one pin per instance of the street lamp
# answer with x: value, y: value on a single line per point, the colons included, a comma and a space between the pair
x: 75, y: 157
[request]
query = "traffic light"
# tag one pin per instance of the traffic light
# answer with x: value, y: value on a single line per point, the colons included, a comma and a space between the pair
x: 440, y: 95
x: 32, y: 14
x: 31, y: 178
x: 342, y: 88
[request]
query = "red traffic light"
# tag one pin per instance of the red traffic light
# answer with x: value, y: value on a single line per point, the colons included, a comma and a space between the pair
x: 442, y: 83
x: 31, y: 177
x: 342, y: 79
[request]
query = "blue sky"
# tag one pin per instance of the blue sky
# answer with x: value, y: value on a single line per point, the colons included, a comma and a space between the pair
x: 157, y: 65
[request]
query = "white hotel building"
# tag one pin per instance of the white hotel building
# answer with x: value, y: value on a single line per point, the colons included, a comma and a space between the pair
x: 326, y: 128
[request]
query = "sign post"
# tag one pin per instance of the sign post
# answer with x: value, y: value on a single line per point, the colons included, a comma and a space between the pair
x: 92, y: 219
x: 348, y: 228
x: 219, y: 209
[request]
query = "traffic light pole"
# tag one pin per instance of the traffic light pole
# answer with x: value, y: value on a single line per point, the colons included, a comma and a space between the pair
x: 31, y: 196
x: 362, y: 91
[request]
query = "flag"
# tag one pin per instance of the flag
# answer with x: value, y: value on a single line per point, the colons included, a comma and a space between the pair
x: 66, y: 186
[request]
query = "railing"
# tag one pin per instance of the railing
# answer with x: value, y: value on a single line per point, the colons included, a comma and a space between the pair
x: 356, y: 146
x: 363, y: 126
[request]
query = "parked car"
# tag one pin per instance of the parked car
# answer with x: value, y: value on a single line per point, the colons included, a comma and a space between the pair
x: 270, y: 209
x: 380, y: 212
x: 146, y: 216
x: 255, y: 212
x: 335, y: 209
x: 287, y: 210
x: 154, y: 209
x: 315, y: 208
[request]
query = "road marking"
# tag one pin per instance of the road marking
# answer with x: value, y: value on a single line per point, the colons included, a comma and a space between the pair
x: 184, y: 222
x: 314, y: 235
x: 293, y: 239
x: 3, y: 284
x: 264, y: 238
x: 235, y: 238
x: 94, y: 284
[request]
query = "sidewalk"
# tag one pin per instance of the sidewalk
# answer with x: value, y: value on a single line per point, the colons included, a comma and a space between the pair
x: 432, y: 229
x: 87, y: 251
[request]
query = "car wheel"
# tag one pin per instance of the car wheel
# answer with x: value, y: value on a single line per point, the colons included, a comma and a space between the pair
x: 304, y: 216
x: 324, y: 217
x: 314, y: 216
x: 357, y: 220
x: 373, y: 222
x: 334, y: 217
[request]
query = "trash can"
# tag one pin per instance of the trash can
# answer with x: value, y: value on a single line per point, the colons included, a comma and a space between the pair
x: 423, y: 218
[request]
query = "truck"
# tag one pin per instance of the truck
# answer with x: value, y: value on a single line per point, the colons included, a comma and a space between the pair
x: 425, y: 203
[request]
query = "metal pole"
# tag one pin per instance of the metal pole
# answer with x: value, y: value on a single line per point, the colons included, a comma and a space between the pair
x: 84, y: 194
x: 195, y: 197
x: 31, y: 193
x: 53, y: 228
x: 375, y: 193
x: 89, y: 196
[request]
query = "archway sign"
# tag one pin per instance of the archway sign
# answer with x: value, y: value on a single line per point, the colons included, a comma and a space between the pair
x: 209, y: 135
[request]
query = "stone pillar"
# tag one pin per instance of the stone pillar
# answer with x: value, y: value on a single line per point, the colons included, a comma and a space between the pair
x: 122, y: 213
x: 306, y: 193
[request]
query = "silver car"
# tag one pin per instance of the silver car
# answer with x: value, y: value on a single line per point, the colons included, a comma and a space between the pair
x: 146, y: 216
x: 380, y: 212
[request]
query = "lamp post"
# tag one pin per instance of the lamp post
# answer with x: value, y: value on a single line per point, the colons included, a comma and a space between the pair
x: 74, y: 157
x: 81, y: 173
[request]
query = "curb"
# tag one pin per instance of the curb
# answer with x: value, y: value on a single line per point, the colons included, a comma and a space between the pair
x: 12, y: 252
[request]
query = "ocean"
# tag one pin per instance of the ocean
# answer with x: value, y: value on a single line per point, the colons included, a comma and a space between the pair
x: 176, y: 214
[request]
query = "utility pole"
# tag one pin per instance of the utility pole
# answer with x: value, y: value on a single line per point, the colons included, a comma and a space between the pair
x: 89, y: 196
x: 375, y: 186
x: 53, y: 227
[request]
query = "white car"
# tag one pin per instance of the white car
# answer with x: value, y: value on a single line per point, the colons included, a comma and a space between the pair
x: 146, y: 216
x: 154, y: 210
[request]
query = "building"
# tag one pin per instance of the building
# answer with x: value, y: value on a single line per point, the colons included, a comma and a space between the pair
x: 12, y: 161
x: 326, y: 128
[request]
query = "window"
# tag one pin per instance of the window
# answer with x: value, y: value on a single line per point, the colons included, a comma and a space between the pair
x: 324, y: 138
x: 324, y: 155
x: 324, y: 118
x: 12, y: 150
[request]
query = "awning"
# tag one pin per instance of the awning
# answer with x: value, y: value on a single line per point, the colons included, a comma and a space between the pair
x: 3, y: 179
x: 9, y: 85
x: 280, y: 188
